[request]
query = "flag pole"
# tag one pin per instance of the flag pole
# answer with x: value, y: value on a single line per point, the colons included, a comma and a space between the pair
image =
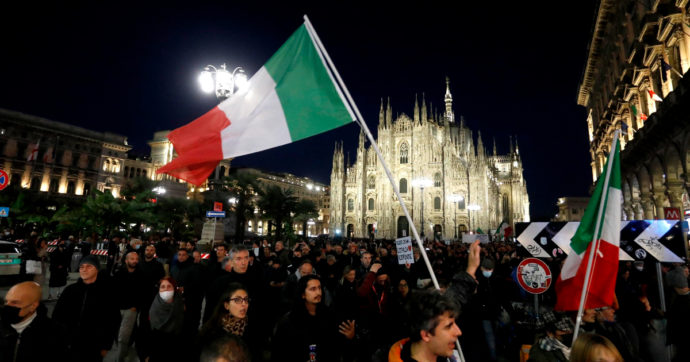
x: 363, y: 125
x: 595, y: 239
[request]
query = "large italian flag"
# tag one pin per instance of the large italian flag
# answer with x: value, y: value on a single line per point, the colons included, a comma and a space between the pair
x: 293, y: 96
x: 602, y: 284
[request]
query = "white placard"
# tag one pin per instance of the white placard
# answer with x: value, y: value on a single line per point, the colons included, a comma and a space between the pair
x: 404, y: 248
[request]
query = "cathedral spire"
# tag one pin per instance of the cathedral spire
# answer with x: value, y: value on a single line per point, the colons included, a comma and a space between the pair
x: 361, y: 138
x: 462, y: 121
x: 449, y: 102
x: 471, y: 146
x: 480, y: 145
x: 517, y: 148
x: 495, y: 153
x: 382, y: 115
x: 424, y: 114
x: 511, y: 145
x: 416, y: 110
x: 389, y: 114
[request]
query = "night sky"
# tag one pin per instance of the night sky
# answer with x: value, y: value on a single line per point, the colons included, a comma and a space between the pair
x: 132, y: 69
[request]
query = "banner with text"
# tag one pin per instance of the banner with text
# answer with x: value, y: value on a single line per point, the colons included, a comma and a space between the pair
x: 404, y: 248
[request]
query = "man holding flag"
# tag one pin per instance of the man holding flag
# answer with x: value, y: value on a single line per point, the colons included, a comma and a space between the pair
x: 588, y: 277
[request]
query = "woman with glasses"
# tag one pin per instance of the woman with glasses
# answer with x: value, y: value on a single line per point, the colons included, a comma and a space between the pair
x: 231, y: 318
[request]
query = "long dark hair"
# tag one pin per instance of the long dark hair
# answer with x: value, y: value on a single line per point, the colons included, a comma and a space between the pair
x: 214, y: 323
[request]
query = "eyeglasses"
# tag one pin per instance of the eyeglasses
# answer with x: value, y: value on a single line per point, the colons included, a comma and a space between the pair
x: 239, y: 300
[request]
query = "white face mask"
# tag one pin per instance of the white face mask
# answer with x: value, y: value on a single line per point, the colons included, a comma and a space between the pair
x: 167, y: 295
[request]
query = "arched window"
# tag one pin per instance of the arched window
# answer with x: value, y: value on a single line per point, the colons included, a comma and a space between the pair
x: 403, y: 152
x: 70, y: 188
x: 35, y: 184
x: 371, y: 204
x: 350, y: 204
x: 403, y: 185
x: 371, y: 184
x: 437, y: 179
x: 54, y: 185
x: 437, y: 203
x: 106, y: 165
x: 461, y: 204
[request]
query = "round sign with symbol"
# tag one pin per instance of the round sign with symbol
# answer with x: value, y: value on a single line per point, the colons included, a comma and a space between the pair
x: 4, y: 179
x: 534, y: 276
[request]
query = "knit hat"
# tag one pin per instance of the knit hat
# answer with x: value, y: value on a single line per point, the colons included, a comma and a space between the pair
x: 488, y: 264
x: 381, y: 271
x: 90, y: 259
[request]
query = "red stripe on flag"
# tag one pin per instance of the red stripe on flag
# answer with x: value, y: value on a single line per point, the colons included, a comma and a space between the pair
x: 602, y: 285
x: 199, y: 148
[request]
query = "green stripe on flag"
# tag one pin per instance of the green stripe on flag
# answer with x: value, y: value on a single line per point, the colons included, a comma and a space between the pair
x: 310, y: 101
x: 585, y: 232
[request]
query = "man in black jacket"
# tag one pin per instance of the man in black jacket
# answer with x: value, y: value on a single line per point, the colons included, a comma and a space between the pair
x: 189, y: 278
x: 89, y: 312
x: 26, y: 330
x: 132, y: 292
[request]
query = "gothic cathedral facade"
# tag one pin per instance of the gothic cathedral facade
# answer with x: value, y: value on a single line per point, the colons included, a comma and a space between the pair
x: 443, y: 179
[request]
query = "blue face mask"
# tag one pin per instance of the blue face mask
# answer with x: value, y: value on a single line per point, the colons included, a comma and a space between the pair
x: 486, y: 274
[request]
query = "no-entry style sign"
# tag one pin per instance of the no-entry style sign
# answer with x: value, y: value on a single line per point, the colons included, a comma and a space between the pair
x: 4, y: 179
x: 534, y: 276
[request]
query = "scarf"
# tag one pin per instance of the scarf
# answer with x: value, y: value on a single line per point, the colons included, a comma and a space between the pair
x: 551, y: 344
x: 234, y: 325
x: 167, y: 317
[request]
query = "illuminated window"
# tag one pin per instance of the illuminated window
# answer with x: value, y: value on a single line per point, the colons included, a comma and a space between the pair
x: 403, y: 152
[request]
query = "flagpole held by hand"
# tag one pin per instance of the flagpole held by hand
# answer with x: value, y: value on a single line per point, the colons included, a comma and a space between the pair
x: 371, y: 139
x: 594, y: 245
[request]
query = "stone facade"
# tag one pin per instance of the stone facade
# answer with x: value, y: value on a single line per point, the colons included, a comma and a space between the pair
x: 640, y: 49
x: 571, y: 208
x: 71, y: 161
x: 468, y: 187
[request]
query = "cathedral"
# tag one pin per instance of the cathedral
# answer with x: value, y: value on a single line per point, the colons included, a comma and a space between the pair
x: 449, y: 185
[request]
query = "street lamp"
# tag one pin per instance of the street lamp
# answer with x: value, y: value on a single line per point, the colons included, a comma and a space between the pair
x: 455, y: 199
x: 473, y: 207
x: 422, y: 183
x: 222, y: 81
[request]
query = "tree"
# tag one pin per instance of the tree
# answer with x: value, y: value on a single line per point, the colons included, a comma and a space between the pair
x: 277, y: 204
x: 304, y: 211
x: 242, y: 187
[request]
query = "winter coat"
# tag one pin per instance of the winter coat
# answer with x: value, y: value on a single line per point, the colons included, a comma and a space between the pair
x: 90, y: 315
x: 42, y: 340
x: 59, y: 262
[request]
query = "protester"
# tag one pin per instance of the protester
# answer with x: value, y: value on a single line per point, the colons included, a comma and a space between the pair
x: 555, y: 345
x: 593, y: 347
x: 167, y: 322
x: 89, y: 312
x: 433, y: 329
x: 309, y: 328
x: 231, y: 317
x: 59, y: 264
x: 131, y: 287
x: 26, y: 333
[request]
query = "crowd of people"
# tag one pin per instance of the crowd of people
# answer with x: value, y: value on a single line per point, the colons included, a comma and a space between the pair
x: 326, y: 300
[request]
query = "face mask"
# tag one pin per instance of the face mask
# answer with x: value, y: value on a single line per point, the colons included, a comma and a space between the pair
x: 167, y: 295
x: 567, y: 339
x: 256, y: 251
x: 639, y: 268
x: 486, y: 274
x: 137, y: 246
x: 10, y: 315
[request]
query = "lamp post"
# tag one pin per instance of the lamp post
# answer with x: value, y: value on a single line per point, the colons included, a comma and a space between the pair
x: 422, y: 183
x: 455, y: 199
x: 473, y: 207
x: 222, y: 81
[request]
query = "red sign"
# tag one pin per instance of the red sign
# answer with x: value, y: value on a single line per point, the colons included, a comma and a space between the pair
x: 534, y: 276
x: 4, y: 179
x: 217, y: 206
x: 671, y: 213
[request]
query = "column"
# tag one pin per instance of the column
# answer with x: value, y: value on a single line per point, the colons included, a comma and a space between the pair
x: 627, y: 210
x: 674, y: 189
x: 645, y: 87
x: 638, y: 210
x: 659, y: 200
x: 647, y: 205
x: 684, y: 46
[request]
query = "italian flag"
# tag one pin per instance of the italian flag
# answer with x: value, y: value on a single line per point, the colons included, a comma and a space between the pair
x: 606, y: 199
x: 654, y: 96
x: 292, y: 97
